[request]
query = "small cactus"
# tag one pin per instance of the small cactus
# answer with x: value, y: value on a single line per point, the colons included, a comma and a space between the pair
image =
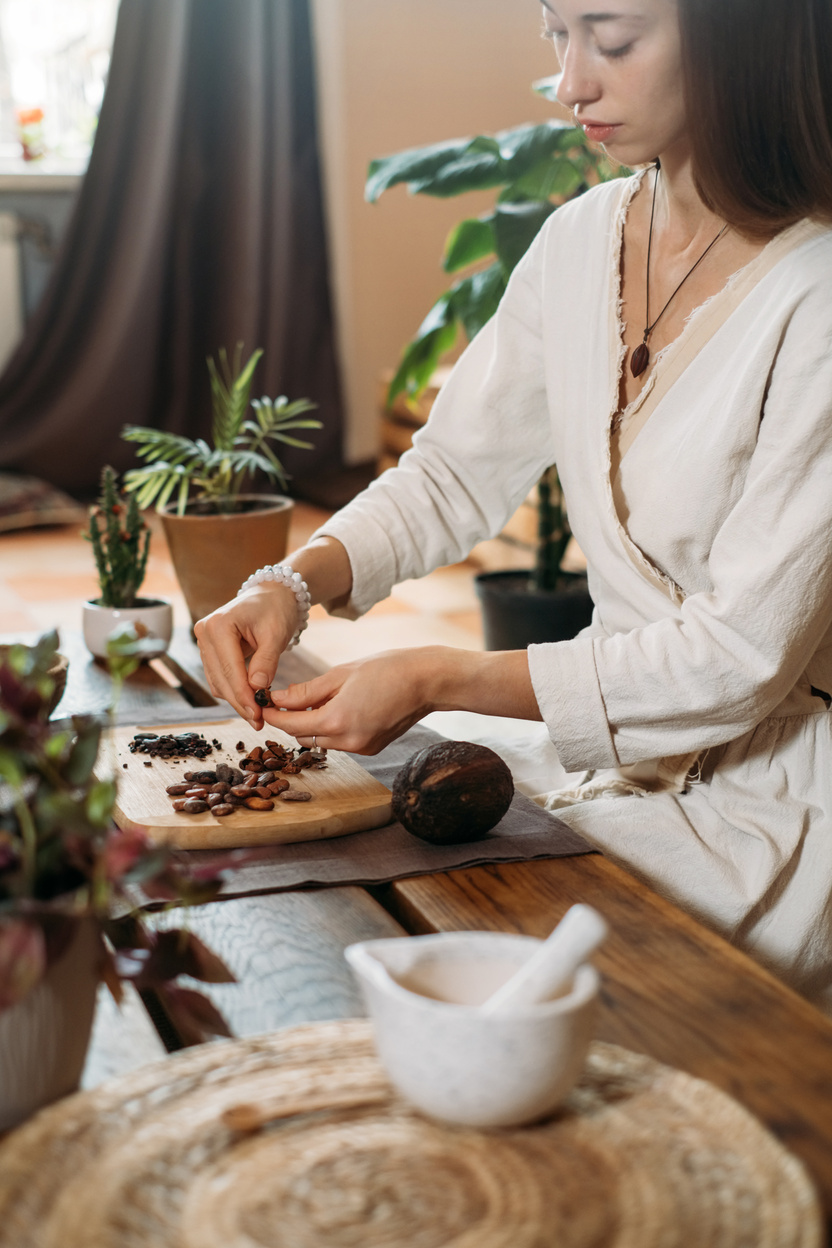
x: 120, y: 540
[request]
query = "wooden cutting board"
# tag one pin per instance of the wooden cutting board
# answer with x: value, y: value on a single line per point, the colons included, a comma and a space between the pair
x: 345, y: 797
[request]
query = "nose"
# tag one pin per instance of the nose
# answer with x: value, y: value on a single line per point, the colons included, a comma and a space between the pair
x: 577, y: 84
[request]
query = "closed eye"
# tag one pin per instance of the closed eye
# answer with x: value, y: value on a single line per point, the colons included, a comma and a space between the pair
x: 614, y: 53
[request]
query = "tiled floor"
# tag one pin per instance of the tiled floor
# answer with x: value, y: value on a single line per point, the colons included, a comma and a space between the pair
x: 45, y: 575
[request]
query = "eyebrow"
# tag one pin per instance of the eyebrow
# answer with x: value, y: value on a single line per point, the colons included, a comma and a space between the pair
x: 595, y: 17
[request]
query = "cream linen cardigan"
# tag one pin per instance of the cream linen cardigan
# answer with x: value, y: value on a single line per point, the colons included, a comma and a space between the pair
x: 710, y: 565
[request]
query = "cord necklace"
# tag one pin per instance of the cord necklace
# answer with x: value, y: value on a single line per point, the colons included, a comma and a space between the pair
x: 641, y: 356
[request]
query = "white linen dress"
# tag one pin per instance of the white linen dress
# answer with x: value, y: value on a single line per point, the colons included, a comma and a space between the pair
x: 687, y: 732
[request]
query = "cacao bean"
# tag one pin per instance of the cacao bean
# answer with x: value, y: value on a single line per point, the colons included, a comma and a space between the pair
x: 278, y: 786
x: 265, y: 777
x: 215, y: 799
x: 200, y: 791
x: 296, y: 795
x: 220, y: 787
x: 239, y: 790
x: 194, y: 806
x: 179, y: 804
x: 259, y: 803
x: 263, y: 698
x: 260, y: 790
x: 221, y: 810
x: 176, y: 790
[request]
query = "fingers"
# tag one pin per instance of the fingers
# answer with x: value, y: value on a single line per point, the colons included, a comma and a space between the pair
x: 260, y: 621
x: 359, y: 707
x: 222, y: 649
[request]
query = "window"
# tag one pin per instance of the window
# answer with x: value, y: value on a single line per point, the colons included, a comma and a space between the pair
x: 54, y: 58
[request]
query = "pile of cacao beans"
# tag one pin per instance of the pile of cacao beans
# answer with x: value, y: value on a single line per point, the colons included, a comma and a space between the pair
x: 255, y: 783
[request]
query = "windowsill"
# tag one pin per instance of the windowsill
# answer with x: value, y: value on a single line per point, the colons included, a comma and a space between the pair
x: 51, y: 173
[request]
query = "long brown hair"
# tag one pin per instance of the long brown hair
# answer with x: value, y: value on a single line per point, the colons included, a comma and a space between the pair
x: 758, y: 85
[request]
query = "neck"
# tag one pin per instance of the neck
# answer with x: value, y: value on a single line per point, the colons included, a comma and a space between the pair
x: 681, y: 216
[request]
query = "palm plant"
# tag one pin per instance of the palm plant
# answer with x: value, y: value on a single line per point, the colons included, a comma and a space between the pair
x: 537, y: 168
x: 241, y: 446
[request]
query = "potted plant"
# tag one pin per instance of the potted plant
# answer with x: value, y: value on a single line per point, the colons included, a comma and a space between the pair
x: 536, y: 168
x: 67, y: 921
x: 217, y: 534
x: 120, y: 541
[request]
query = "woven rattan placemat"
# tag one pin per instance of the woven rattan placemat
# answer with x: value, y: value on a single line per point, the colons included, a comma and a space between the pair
x: 295, y: 1140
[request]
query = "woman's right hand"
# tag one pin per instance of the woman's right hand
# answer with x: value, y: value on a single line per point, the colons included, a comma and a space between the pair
x: 261, y: 623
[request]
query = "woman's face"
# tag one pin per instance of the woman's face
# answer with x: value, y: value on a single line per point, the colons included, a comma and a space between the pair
x: 622, y: 73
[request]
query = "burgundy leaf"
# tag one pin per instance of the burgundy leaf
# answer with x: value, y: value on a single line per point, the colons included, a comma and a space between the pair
x: 110, y: 976
x: 193, y: 1015
x: 170, y: 954
x: 22, y: 959
x: 205, y: 964
x: 123, y: 850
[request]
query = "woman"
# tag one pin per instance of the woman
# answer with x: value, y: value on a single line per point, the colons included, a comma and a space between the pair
x: 667, y: 341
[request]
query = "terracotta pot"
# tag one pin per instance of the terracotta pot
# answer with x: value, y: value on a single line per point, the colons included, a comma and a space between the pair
x: 99, y: 622
x: 44, y: 1039
x: 213, y: 554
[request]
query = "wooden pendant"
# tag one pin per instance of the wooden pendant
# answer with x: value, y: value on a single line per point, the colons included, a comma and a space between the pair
x: 639, y: 360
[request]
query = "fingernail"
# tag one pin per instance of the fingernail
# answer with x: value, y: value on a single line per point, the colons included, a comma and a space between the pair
x: 260, y: 679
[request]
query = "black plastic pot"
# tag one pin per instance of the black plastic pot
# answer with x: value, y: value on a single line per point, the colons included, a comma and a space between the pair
x: 516, y: 616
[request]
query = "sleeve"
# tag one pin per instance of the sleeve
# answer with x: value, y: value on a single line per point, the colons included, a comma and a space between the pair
x: 487, y: 441
x: 733, y: 653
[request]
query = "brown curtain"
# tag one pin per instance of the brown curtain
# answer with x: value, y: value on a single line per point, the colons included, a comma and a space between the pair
x: 199, y: 224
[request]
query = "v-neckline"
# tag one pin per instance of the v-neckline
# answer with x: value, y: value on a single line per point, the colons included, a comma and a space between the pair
x: 621, y: 426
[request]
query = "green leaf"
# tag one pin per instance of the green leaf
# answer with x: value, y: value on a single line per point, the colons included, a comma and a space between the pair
x: 548, y: 87
x: 100, y: 802
x: 411, y: 165
x: 515, y: 227
x: 475, y: 171
x: 468, y: 242
x: 421, y: 356
x: 557, y: 176
x: 10, y: 768
x: 83, y: 753
x: 474, y: 300
x: 524, y: 146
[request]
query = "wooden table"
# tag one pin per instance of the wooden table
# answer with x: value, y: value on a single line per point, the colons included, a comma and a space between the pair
x: 671, y: 988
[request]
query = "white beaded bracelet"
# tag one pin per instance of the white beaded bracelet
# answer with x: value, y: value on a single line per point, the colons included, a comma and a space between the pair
x: 284, y: 574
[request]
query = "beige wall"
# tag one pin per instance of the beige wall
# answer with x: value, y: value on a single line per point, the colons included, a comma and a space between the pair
x: 395, y: 74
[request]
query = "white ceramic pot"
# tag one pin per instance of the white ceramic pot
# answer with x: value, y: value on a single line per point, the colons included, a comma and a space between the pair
x: 100, y: 622
x: 446, y: 1056
x: 44, y: 1039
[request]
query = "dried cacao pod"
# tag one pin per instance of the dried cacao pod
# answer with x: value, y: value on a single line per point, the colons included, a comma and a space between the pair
x: 452, y: 792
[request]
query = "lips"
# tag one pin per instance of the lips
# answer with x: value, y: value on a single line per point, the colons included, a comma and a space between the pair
x: 598, y: 131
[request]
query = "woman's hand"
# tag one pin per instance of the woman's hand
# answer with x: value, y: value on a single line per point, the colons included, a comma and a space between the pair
x: 362, y: 706
x: 260, y: 623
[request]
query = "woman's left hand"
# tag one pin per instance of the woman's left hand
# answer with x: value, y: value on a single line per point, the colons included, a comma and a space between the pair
x: 364, y: 705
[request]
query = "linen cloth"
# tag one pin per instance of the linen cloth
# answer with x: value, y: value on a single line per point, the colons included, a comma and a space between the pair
x: 711, y: 576
x: 391, y: 853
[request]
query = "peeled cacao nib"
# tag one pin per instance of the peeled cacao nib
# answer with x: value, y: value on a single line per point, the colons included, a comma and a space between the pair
x: 452, y: 792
